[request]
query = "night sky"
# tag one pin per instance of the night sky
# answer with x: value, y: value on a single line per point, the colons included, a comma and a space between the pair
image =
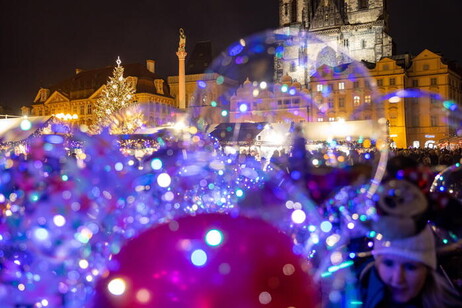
x: 43, y: 42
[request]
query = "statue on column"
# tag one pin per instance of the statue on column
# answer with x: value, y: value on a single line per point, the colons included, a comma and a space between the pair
x: 182, y: 43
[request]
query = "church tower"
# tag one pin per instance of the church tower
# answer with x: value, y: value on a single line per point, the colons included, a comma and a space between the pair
x: 357, y: 28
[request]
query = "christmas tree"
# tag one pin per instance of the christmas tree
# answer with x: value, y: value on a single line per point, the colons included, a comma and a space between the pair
x: 116, y: 109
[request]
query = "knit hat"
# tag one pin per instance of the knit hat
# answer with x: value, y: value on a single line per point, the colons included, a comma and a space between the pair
x: 420, y: 248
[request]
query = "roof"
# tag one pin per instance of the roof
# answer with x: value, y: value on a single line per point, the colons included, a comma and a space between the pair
x: 85, y: 83
x: 237, y: 133
x: 11, y: 131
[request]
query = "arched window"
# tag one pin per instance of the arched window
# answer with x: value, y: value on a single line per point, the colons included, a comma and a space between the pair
x: 293, y: 11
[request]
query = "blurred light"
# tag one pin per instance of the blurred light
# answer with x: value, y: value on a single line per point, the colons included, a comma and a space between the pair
x: 198, y: 257
x: 298, y: 216
x: 59, y: 220
x: 41, y: 234
x: 117, y: 286
x: 243, y: 107
x: 284, y: 88
x: 214, y: 237
x: 118, y: 166
x: 156, y: 164
x: 263, y: 85
x: 326, y: 226
x: 164, y: 180
x: 143, y: 296
x: 394, y: 99
x: 201, y: 84
x: 264, y: 298
x: 239, y: 192
x: 25, y: 124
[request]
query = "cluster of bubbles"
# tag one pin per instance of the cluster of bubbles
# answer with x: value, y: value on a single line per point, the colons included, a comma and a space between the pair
x: 64, y: 218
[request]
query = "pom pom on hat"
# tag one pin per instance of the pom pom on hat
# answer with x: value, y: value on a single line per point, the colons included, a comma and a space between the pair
x: 420, y: 248
x: 401, y: 209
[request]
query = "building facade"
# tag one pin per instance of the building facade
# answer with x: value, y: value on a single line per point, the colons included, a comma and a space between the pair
x: 77, y: 96
x: 356, y: 29
x: 413, y: 94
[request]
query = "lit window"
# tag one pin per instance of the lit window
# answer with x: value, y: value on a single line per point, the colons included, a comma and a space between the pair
x: 356, y: 100
x: 331, y: 119
x: 367, y: 99
x: 320, y: 119
x: 341, y: 86
x: 319, y: 87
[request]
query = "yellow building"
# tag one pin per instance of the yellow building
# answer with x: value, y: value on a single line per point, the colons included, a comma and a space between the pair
x: 413, y: 94
x: 78, y: 95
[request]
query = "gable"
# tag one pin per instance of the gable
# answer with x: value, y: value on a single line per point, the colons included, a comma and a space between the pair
x: 426, y: 54
x: 56, y: 97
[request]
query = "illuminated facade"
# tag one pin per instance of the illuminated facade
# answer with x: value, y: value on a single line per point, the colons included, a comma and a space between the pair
x: 357, y: 28
x: 78, y: 95
x: 354, y: 92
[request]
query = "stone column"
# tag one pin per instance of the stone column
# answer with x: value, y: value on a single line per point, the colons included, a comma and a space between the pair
x: 181, y: 53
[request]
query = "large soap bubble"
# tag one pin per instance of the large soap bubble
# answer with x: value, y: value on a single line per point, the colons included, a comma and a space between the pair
x: 266, y: 90
x: 309, y: 115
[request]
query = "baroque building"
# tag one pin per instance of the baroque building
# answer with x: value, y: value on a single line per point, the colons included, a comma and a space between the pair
x: 77, y: 95
x: 413, y: 94
x: 357, y: 28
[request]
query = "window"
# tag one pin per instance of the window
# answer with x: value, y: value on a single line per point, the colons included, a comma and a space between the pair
x: 286, y: 9
x: 392, y: 81
x: 433, y: 100
x: 319, y: 87
x: 356, y: 100
x: 293, y: 67
x: 279, y: 102
x: 363, y: 44
x: 363, y: 4
x: 330, y: 103
x: 331, y: 119
x: 82, y: 109
x: 356, y: 84
x: 330, y: 87
x: 293, y: 13
x: 320, y: 119
x: 367, y: 84
x: 380, y: 82
x: 296, y: 101
x: 345, y: 43
x: 433, y: 121
x: 367, y: 99
x: 287, y: 102
x: 89, y: 109
x: 341, y: 86
x: 386, y: 67
x: 426, y: 67
x: 433, y: 81
x: 415, y: 83
x: 341, y: 102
